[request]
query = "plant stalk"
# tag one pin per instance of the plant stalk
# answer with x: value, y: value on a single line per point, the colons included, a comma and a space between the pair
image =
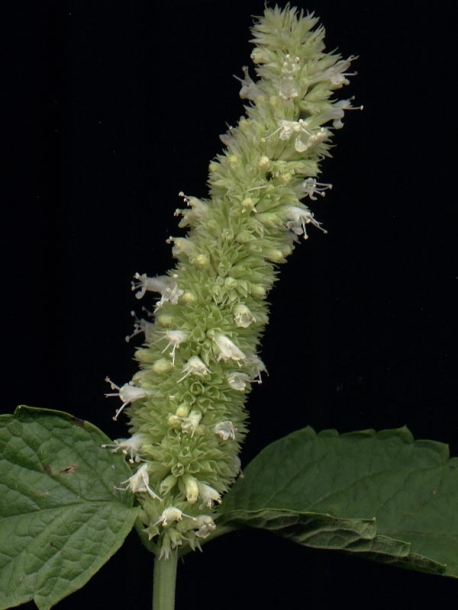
x: 165, y: 573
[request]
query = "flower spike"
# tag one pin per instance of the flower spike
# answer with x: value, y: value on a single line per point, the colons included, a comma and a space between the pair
x: 200, y: 356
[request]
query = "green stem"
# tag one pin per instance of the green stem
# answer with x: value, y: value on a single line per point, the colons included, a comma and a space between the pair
x: 165, y: 573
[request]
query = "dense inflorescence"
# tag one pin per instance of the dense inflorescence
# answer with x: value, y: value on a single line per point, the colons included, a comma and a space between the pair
x: 200, y: 356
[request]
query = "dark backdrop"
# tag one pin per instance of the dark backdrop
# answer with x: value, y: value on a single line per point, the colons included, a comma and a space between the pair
x: 110, y: 109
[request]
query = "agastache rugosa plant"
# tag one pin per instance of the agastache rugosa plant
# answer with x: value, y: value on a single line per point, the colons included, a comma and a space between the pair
x: 200, y: 354
x: 69, y: 495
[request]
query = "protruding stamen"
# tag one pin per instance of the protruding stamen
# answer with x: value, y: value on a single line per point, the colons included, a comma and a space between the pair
x: 167, y: 286
x: 129, y: 446
x: 206, y: 526
x: 175, y: 338
x: 194, y: 366
x: 312, y: 187
x: 140, y: 326
x: 209, y: 495
x: 258, y: 367
x: 170, y: 515
x: 139, y: 482
x: 238, y: 381
x: 298, y: 218
x: 128, y: 393
x: 249, y: 90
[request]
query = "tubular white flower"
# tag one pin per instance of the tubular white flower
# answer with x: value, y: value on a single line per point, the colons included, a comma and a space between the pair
x: 227, y: 349
x: 129, y: 446
x: 141, y: 326
x: 170, y: 515
x: 139, y: 482
x: 208, y: 495
x: 182, y: 245
x: 249, y: 90
x: 191, y: 488
x: 336, y: 112
x: 197, y: 212
x: 288, y: 85
x: 243, y: 316
x: 287, y: 128
x: 306, y: 137
x: 189, y: 424
x: 164, y: 284
x: 298, y: 218
x: 238, y: 381
x: 312, y: 187
x: 336, y: 74
x: 175, y: 338
x: 302, y: 144
x: 194, y: 366
x: 205, y: 525
x: 151, y: 284
x: 225, y: 429
x: 258, y: 367
x: 128, y: 393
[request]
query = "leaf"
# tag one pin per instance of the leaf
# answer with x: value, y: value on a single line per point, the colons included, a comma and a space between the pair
x: 61, y: 516
x: 380, y: 495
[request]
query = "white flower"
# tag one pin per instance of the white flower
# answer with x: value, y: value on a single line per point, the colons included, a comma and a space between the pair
x: 139, y: 482
x: 312, y: 187
x: 194, y: 366
x: 167, y: 286
x: 336, y: 74
x: 152, y: 284
x: 305, y: 137
x: 258, y: 367
x: 249, y: 90
x: 243, y: 316
x: 141, y: 326
x: 182, y: 245
x: 336, y: 112
x: 238, y: 381
x: 191, y: 488
x: 225, y: 429
x: 197, y: 212
x: 175, y: 338
x: 170, y: 515
x: 289, y: 69
x: 287, y: 128
x: 206, y: 526
x: 190, y: 423
x: 299, y: 217
x: 301, y: 144
x: 208, y: 495
x: 129, y: 446
x: 228, y: 349
x: 128, y: 393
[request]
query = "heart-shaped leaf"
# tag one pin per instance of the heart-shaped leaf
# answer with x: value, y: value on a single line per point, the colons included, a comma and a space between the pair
x: 61, y: 514
x: 381, y: 495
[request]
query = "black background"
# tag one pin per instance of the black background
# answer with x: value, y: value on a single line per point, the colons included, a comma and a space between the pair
x: 109, y: 109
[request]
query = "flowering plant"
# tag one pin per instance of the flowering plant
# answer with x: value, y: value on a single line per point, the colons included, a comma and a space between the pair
x: 73, y: 495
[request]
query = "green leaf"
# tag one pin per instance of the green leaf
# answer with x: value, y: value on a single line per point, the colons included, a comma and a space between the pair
x: 61, y: 516
x: 380, y: 495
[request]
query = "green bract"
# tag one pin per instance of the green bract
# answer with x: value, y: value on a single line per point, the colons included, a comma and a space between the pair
x: 199, y: 357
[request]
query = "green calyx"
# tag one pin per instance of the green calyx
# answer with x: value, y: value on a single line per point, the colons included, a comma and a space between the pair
x: 200, y: 357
